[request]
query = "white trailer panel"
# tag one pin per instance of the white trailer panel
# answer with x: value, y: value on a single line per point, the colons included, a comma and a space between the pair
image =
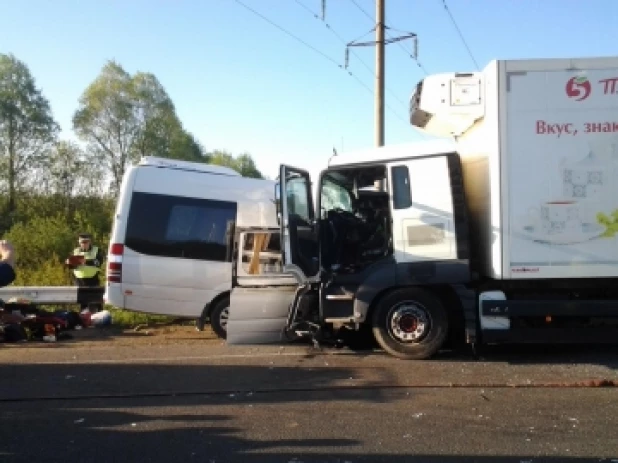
x: 560, y: 168
x: 540, y: 156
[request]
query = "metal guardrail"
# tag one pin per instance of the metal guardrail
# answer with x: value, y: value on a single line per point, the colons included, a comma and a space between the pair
x: 54, y: 294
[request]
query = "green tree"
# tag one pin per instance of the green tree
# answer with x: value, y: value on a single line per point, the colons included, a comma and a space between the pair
x: 27, y: 128
x: 65, y: 166
x: 68, y: 174
x: 125, y: 117
x: 246, y: 166
x: 42, y: 243
x: 185, y: 147
x: 243, y: 164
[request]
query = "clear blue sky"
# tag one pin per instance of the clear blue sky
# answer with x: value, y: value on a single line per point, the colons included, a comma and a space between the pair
x: 241, y: 84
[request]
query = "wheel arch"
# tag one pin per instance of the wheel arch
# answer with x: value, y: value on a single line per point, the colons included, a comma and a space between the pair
x: 213, y: 303
x: 205, y: 316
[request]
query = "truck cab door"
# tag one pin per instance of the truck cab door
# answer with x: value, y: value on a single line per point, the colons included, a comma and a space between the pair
x: 298, y: 225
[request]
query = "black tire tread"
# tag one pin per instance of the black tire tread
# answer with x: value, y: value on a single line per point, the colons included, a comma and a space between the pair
x: 428, y: 346
x: 214, y: 317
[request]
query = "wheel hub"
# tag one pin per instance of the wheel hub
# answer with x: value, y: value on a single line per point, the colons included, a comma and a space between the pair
x: 409, y: 322
x: 225, y: 314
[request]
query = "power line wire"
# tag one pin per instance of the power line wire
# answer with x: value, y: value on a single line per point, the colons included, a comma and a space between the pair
x: 418, y: 63
x: 363, y: 10
x: 448, y: 11
x: 324, y: 55
x: 410, y: 55
x: 343, y: 41
x: 295, y: 37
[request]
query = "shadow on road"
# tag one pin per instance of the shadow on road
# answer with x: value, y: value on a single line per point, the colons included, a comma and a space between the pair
x: 522, y: 354
x: 27, y: 382
x: 232, y: 413
x: 147, y: 431
x: 221, y: 429
x: 547, y: 354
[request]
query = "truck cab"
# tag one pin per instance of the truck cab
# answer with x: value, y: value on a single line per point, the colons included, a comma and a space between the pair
x: 384, y: 247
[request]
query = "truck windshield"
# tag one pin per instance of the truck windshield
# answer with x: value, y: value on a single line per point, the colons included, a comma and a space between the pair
x: 334, y: 196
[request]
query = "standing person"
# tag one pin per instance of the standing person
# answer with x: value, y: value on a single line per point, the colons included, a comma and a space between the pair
x: 87, y: 272
x: 7, y: 276
x: 7, y: 263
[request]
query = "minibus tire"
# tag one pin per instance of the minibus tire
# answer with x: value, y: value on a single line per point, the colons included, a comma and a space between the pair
x: 215, y: 317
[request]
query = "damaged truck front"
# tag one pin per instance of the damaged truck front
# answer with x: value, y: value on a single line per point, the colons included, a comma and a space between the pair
x: 502, y: 231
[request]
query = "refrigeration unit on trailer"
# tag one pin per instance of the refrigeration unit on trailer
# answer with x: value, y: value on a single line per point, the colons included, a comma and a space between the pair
x: 502, y: 232
x: 171, y: 247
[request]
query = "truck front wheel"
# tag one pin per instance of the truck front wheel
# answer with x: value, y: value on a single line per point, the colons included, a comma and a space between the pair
x: 410, y: 324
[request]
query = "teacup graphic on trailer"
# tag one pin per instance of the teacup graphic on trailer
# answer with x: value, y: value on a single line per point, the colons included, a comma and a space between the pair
x: 585, y: 179
x: 593, y: 180
x: 560, y: 221
x: 558, y: 216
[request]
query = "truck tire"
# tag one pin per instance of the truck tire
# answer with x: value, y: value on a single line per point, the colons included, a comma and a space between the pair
x: 410, y: 324
x: 219, y: 316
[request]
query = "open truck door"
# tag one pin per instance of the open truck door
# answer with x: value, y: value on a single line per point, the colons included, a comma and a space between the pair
x: 298, y: 229
x: 271, y: 265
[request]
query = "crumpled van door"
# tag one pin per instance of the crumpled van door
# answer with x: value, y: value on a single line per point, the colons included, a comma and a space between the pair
x: 262, y: 293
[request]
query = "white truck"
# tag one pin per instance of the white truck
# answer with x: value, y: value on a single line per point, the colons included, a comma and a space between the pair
x: 504, y: 232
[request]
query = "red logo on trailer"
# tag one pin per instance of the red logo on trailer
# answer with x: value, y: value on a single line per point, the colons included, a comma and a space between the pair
x: 578, y: 88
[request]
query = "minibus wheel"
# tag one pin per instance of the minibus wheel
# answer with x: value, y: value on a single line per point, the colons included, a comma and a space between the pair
x: 219, y: 315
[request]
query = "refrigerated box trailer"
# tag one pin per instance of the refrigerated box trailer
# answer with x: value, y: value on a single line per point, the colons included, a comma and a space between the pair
x: 502, y: 231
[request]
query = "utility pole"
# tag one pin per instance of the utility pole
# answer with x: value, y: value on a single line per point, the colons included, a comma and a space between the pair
x: 380, y: 43
x: 379, y: 83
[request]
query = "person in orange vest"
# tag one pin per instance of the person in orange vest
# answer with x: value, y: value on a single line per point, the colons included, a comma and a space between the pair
x: 86, y: 262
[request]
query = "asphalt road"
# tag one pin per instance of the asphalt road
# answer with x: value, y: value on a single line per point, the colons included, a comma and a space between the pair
x: 212, y: 403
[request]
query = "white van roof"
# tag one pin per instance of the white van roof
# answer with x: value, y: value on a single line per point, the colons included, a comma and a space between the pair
x: 399, y: 151
x: 154, y: 161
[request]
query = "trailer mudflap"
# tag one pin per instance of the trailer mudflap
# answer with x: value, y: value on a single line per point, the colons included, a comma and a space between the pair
x: 259, y: 315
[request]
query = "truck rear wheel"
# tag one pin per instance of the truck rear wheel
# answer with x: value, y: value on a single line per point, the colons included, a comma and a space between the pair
x: 410, y: 324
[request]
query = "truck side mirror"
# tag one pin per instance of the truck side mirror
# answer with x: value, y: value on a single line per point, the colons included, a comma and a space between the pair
x: 278, y: 201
